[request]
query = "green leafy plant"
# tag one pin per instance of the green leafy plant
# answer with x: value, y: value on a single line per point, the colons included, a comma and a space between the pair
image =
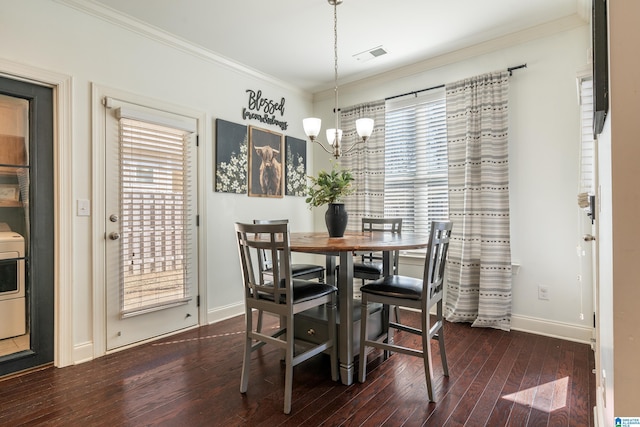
x: 329, y: 187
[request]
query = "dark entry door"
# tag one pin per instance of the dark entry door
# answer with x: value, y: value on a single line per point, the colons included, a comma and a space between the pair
x: 27, y: 220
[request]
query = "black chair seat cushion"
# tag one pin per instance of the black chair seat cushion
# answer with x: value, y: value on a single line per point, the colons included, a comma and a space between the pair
x: 395, y: 287
x: 304, y: 290
x: 366, y: 270
x: 303, y: 269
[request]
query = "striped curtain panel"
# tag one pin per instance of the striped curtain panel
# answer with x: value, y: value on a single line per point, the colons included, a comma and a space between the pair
x: 366, y: 163
x: 479, y: 260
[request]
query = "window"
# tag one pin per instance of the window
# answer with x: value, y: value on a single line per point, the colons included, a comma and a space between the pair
x: 587, y: 178
x: 415, y: 185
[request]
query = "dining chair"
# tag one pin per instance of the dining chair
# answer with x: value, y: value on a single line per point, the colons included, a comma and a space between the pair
x: 299, y: 271
x: 419, y: 294
x: 284, y: 296
x: 370, y: 267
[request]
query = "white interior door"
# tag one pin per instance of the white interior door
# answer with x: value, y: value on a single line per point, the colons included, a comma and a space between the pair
x: 150, y: 230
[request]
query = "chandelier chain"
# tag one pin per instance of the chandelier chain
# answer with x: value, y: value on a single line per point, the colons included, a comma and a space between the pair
x: 335, y: 61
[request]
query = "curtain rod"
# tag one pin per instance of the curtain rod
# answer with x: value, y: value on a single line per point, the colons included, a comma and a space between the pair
x: 416, y: 92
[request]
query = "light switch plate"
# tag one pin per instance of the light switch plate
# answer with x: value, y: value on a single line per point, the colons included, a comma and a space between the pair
x: 83, y: 207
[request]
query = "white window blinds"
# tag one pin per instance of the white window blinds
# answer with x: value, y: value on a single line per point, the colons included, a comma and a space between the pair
x: 415, y: 185
x: 587, y: 178
x: 156, y: 213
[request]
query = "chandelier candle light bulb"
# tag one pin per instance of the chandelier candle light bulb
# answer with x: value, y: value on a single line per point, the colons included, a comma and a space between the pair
x: 331, y: 136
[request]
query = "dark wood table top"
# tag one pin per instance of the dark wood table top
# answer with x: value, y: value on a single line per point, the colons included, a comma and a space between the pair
x: 320, y: 242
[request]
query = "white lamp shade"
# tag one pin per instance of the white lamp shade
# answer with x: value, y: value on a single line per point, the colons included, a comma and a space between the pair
x: 364, y: 127
x: 331, y: 135
x: 311, y: 126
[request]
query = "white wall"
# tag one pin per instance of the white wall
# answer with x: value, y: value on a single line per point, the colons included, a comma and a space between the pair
x: 544, y: 141
x: 49, y: 35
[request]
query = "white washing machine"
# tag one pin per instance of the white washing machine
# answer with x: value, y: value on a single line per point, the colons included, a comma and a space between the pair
x: 13, y: 319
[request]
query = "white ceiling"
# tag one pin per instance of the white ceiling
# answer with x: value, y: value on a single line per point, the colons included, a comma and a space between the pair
x: 292, y: 40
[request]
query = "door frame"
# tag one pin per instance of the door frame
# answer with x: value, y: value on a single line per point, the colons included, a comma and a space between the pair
x: 98, y: 93
x: 61, y: 84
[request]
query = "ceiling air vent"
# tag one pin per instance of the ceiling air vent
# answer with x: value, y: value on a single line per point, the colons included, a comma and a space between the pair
x: 370, y: 54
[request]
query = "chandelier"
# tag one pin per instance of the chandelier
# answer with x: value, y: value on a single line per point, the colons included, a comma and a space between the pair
x: 312, y: 125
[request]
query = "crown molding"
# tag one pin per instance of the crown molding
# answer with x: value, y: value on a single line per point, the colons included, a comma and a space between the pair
x: 153, y: 33
x: 540, y: 31
x: 355, y: 83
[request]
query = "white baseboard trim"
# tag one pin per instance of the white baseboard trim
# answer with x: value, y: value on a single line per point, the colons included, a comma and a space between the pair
x: 551, y: 328
x: 598, y: 419
x: 225, y: 312
x: 599, y: 410
x: 548, y: 328
x: 83, y: 352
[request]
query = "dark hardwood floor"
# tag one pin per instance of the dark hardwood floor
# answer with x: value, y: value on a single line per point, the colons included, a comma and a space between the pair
x: 192, y: 379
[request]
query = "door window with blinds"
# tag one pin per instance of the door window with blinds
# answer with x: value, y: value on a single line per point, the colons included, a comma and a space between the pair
x: 416, y: 183
x: 155, y: 214
x: 587, y: 179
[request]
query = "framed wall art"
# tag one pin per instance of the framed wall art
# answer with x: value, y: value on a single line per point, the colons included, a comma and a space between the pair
x: 295, y: 167
x: 266, y: 177
x: 231, y: 157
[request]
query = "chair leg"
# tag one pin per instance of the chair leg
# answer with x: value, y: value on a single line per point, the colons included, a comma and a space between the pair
x: 362, y: 374
x: 259, y: 325
x: 244, y: 378
x: 426, y: 355
x: 288, y: 376
x: 285, y: 336
x: 390, y: 330
x: 443, y: 353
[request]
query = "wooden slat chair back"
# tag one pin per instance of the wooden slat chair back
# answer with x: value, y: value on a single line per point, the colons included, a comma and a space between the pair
x: 298, y: 271
x: 370, y: 267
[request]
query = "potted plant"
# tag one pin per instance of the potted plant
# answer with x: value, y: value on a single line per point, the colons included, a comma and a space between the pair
x: 329, y: 188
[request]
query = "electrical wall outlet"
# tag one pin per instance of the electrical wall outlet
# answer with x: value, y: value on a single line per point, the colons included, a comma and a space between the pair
x: 543, y: 292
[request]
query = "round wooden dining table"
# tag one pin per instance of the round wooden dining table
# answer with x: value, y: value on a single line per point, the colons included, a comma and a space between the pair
x: 343, y: 248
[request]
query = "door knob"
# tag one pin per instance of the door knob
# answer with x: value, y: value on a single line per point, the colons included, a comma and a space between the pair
x: 589, y: 238
x: 114, y: 235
